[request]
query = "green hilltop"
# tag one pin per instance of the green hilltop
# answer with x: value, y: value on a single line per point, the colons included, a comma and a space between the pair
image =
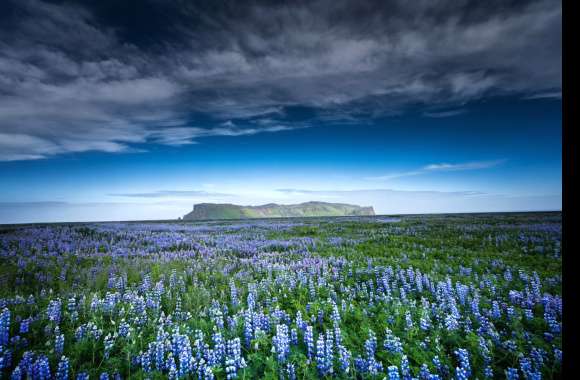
x: 209, y: 211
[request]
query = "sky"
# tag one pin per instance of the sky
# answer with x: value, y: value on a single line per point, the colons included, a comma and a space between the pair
x: 115, y: 110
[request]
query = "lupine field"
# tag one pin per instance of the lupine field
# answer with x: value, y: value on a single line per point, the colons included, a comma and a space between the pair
x: 412, y: 297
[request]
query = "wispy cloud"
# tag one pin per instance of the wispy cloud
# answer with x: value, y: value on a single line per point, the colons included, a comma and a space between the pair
x: 172, y: 194
x: 441, y: 167
x: 545, y: 95
x: 376, y: 191
x: 464, y: 166
x: 447, y: 113
x: 189, y: 135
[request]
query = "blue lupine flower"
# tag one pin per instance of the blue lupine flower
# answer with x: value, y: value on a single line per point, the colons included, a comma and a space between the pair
x: 461, y: 373
x: 335, y: 316
x: 557, y: 355
x: 16, y: 374
x: 219, y: 346
x: 59, y: 344
x: 344, y: 358
x: 248, y: 327
x: 321, y: 362
x: 146, y: 362
x: 393, y: 372
x: 463, y: 357
x: 424, y: 372
x: 281, y: 343
x: 5, y: 327
x: 25, y: 326
x: 291, y: 370
x: 408, y: 319
x: 392, y: 343
x: 171, y: 367
x: 62, y: 369
x: 124, y: 329
x: 425, y: 323
x: 488, y: 372
x: 41, y: 370
x: 82, y: 376
x: 512, y: 374
x: 309, y: 342
x: 405, y: 370
x: 53, y: 311
x: 294, y: 336
x: 234, y: 354
x: 495, y: 311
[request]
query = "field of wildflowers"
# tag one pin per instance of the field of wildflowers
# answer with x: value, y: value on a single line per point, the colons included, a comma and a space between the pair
x: 413, y: 297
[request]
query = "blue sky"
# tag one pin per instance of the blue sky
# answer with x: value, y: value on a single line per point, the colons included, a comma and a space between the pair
x: 427, y: 117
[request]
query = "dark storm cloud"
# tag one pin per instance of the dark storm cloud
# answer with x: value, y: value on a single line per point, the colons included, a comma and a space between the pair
x: 84, y: 75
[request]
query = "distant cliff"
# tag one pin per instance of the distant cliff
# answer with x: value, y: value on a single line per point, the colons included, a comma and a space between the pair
x: 206, y: 211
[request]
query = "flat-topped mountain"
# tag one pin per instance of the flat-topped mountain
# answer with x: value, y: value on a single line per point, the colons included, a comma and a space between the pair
x: 207, y: 211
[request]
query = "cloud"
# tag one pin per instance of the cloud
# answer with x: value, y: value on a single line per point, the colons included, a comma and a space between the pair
x: 448, y: 113
x: 376, y: 191
x: 545, y: 95
x: 188, y: 135
x: 74, y: 79
x: 464, y: 166
x: 172, y: 193
x: 441, y: 167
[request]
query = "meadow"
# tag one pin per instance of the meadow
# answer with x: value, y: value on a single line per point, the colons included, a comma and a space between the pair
x: 412, y: 297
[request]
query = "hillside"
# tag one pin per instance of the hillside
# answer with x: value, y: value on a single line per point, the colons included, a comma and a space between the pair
x: 208, y: 211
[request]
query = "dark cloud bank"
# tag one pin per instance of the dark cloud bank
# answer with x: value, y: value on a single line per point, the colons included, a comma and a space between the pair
x: 103, y: 76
